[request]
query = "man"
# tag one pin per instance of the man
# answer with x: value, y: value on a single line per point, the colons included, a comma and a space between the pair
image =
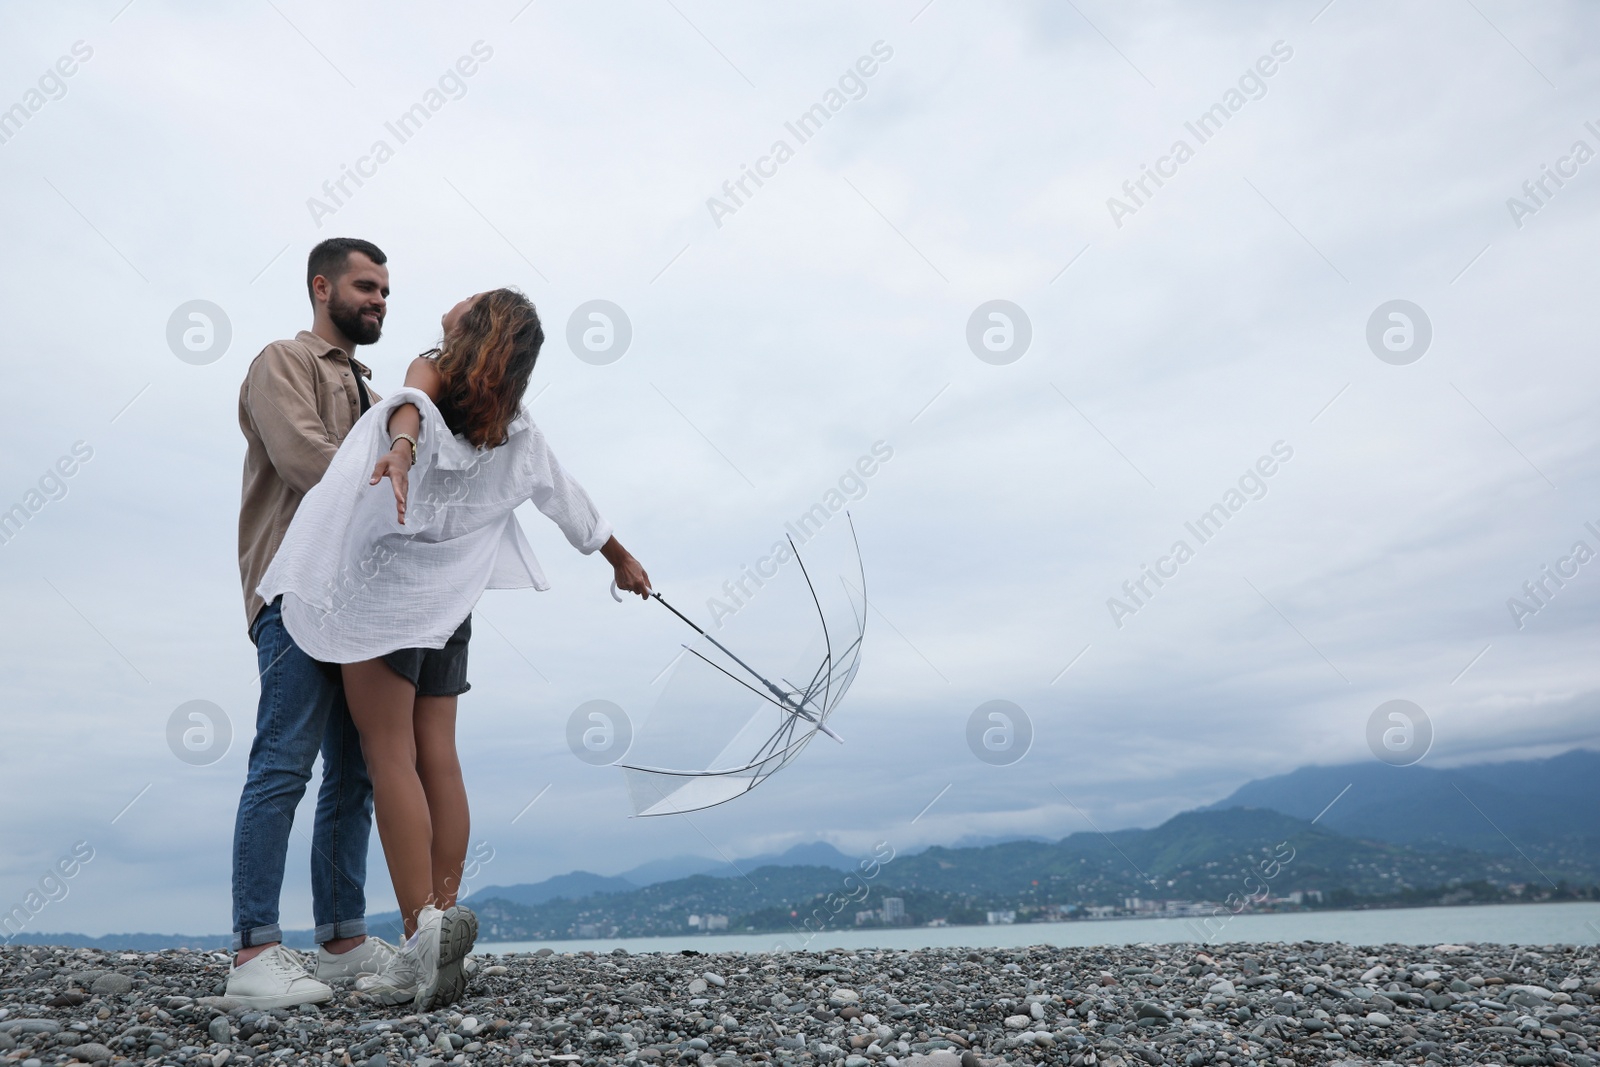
x: 299, y: 400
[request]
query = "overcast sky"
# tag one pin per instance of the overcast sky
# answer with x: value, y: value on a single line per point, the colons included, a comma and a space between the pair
x: 1177, y: 337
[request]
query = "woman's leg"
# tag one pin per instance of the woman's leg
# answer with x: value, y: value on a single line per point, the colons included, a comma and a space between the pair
x: 434, y: 726
x: 381, y: 704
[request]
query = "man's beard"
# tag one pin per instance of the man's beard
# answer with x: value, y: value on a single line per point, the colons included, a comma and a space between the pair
x: 348, y: 318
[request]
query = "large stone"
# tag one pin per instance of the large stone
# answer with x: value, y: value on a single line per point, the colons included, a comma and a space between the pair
x: 939, y: 1058
x: 33, y: 1026
x: 112, y: 984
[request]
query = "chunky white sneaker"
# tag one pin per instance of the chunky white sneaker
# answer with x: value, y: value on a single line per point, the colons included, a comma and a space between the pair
x: 369, y: 957
x: 276, y: 978
x: 412, y: 973
x: 458, y: 932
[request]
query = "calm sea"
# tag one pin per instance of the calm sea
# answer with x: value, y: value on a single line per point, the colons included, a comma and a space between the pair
x: 1523, y: 924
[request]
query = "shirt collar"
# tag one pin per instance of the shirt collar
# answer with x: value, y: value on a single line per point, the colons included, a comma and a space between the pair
x: 322, y: 348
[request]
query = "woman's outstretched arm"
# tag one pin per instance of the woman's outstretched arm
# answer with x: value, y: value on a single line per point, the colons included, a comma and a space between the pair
x: 394, y: 464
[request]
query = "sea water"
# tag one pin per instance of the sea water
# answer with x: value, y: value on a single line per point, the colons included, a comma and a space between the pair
x: 1571, y: 923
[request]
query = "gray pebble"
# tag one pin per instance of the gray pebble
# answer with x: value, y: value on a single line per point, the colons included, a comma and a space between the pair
x: 1156, y: 1004
x: 112, y: 985
x: 33, y: 1026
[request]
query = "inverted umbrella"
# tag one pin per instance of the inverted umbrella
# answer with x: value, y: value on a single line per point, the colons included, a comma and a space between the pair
x: 722, y: 725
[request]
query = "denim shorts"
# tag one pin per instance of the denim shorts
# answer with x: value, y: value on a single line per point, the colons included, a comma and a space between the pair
x: 436, y: 672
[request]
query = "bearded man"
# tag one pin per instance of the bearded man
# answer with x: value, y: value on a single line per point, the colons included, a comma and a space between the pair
x: 299, y: 400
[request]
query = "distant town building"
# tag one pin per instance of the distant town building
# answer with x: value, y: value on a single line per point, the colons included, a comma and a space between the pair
x: 716, y: 922
x: 1188, y: 909
x: 588, y: 930
x: 894, y: 910
x: 1002, y: 918
x: 1101, y: 911
x: 864, y: 917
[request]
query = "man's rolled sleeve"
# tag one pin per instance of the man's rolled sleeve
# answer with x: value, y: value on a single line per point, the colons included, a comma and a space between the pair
x: 286, y: 417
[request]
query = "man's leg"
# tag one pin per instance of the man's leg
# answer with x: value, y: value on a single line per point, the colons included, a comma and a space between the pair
x: 339, y: 840
x: 296, y: 696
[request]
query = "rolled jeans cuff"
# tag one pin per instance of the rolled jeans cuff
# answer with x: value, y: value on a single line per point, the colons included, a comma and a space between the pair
x: 260, y: 935
x: 334, y: 931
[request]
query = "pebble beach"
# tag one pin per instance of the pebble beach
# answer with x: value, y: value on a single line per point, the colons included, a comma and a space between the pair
x: 1277, y: 1004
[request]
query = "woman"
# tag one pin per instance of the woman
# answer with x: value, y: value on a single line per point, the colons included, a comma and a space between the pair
x: 386, y: 589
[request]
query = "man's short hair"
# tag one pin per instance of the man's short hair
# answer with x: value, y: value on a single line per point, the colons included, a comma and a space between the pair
x: 331, y: 259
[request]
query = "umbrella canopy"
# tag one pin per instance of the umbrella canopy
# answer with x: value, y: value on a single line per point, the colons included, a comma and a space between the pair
x: 726, y: 720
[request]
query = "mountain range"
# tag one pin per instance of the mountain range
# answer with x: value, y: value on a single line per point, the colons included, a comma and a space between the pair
x: 1544, y: 810
x: 579, y: 884
x: 1349, y: 835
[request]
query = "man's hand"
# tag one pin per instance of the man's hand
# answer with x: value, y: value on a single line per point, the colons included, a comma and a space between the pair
x: 630, y: 575
x: 395, y: 465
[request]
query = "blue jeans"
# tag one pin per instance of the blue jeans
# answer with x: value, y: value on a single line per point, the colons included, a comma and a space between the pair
x: 302, y: 711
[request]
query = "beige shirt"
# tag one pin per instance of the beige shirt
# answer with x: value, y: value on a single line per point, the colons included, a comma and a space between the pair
x: 297, y: 404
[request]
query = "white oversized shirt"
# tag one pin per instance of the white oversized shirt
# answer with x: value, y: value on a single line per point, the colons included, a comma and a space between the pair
x: 356, y: 584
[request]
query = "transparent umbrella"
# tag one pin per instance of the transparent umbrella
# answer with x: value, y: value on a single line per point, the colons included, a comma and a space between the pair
x: 723, y: 725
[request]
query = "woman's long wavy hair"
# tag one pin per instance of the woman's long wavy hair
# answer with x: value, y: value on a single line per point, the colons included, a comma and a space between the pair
x: 485, y: 365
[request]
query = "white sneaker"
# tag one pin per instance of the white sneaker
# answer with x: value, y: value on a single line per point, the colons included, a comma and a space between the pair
x: 412, y: 974
x: 369, y: 957
x: 275, y: 978
x: 458, y: 932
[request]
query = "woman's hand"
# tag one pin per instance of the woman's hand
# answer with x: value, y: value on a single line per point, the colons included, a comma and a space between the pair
x: 630, y: 575
x: 631, y: 578
x: 395, y: 465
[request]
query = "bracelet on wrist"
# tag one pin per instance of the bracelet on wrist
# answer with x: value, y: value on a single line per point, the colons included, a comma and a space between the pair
x: 408, y: 439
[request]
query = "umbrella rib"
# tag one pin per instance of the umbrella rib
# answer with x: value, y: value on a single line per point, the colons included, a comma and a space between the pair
x: 827, y: 641
x: 770, y: 744
x: 735, y: 677
x: 849, y: 671
x: 724, y: 648
x: 784, y: 707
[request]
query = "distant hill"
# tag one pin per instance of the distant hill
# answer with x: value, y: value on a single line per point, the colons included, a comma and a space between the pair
x: 813, y: 854
x: 1546, y: 808
x: 573, y: 886
x: 980, y: 840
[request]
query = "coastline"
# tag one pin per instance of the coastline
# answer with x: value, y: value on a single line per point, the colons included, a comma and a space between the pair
x: 1583, y: 929
x: 1553, y: 922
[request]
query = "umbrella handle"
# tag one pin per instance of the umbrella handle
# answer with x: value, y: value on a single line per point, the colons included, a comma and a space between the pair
x: 616, y: 593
